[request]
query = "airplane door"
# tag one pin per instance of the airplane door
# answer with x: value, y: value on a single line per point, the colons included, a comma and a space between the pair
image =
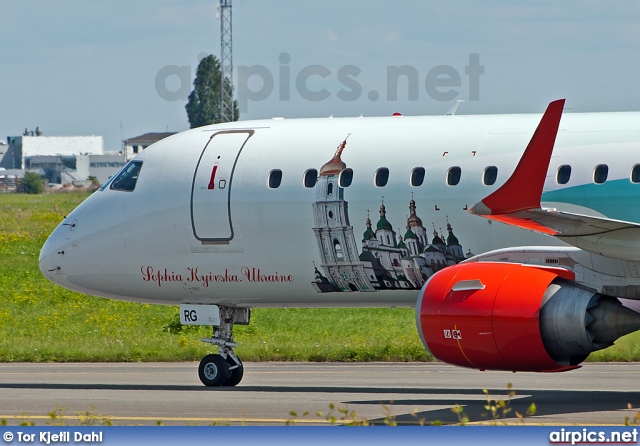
x: 211, y: 187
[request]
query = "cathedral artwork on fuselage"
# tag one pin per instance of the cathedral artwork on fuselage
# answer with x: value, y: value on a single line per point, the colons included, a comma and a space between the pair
x: 387, y: 261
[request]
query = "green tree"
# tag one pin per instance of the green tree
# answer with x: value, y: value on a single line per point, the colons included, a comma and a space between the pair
x: 32, y: 183
x: 203, y: 107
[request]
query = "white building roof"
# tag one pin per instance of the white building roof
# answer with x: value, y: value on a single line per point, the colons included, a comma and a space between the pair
x: 62, y: 145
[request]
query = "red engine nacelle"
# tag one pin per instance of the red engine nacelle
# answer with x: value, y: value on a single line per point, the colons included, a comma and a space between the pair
x: 487, y: 316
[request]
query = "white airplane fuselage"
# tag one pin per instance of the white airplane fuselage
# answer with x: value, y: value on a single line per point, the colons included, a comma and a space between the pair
x: 463, y: 217
x: 192, y: 233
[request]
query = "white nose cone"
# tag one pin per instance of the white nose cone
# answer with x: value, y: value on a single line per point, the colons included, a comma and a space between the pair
x: 51, y: 260
x: 54, y: 264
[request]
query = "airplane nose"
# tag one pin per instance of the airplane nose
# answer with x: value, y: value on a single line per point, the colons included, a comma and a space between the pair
x: 53, y: 253
x: 49, y: 260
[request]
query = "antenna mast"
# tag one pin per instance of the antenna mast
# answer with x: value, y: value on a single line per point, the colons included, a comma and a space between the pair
x: 226, y: 62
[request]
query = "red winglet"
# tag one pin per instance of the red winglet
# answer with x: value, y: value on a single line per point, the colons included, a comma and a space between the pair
x: 524, y: 187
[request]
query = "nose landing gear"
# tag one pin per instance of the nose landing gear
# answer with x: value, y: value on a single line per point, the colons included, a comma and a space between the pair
x: 224, y: 368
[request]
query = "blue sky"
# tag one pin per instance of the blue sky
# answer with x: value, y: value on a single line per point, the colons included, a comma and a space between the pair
x: 77, y: 67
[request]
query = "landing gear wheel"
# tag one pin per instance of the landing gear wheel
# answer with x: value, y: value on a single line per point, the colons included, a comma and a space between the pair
x: 213, y: 370
x: 235, y: 375
x: 225, y: 368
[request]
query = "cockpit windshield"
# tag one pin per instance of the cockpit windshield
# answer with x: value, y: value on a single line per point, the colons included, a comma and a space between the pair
x: 127, y: 178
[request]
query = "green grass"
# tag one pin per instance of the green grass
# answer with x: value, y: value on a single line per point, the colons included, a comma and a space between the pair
x: 42, y: 322
x: 626, y: 349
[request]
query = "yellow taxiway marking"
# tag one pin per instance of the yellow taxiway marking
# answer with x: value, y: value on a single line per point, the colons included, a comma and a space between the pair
x: 500, y: 422
x: 178, y: 419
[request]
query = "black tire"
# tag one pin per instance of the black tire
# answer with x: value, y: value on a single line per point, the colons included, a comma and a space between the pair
x: 213, y: 370
x: 235, y: 375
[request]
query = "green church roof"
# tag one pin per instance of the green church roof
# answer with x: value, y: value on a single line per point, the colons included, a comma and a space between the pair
x: 410, y: 234
x: 368, y: 234
x: 383, y: 223
x: 366, y: 256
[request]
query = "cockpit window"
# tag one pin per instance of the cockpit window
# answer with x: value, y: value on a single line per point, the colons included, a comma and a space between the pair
x: 128, y: 177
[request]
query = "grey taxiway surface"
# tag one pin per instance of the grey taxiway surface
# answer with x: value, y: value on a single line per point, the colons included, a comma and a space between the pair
x: 171, y: 393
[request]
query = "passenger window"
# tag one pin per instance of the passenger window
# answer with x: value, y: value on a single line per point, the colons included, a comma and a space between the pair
x: 127, y: 179
x: 381, y: 177
x: 635, y: 174
x: 453, y: 176
x: 490, y: 175
x: 346, y: 178
x: 310, y: 178
x: 600, y: 173
x: 417, y: 176
x: 275, y: 178
x: 563, y: 174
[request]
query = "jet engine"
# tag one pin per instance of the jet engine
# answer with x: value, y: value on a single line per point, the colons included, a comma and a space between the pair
x: 507, y: 316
